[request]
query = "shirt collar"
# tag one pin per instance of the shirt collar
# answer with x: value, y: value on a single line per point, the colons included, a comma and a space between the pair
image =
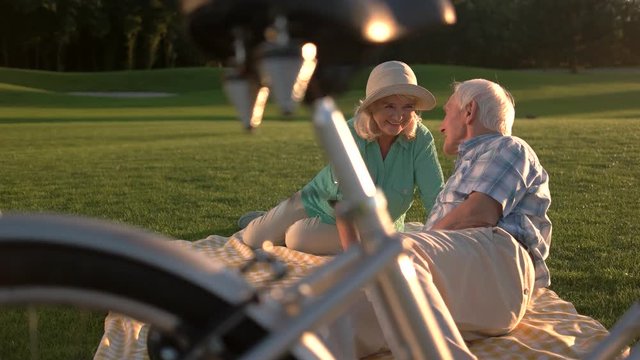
x: 401, y: 140
x: 468, y: 145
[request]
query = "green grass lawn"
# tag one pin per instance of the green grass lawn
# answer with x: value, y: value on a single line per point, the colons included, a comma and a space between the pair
x: 182, y: 166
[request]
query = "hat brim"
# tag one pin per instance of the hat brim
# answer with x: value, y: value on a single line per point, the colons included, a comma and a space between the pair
x: 424, y: 99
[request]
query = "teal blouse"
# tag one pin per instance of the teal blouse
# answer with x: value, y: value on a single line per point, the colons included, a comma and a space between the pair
x: 409, y: 165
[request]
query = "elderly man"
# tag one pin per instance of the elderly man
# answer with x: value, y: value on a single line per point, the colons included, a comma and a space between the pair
x: 486, y: 239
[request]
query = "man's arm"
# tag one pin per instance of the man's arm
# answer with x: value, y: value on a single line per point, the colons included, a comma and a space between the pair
x: 478, y: 210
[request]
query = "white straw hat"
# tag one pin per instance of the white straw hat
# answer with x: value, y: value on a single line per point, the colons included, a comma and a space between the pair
x: 396, y: 78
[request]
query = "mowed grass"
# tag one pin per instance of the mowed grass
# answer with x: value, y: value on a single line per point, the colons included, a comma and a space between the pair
x: 182, y: 166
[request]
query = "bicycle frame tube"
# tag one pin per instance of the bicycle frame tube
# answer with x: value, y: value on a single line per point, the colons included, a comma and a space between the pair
x: 327, y: 306
x: 416, y: 334
x: 623, y: 333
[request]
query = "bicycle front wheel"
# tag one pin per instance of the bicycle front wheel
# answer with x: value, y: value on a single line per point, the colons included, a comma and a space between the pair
x: 62, y: 260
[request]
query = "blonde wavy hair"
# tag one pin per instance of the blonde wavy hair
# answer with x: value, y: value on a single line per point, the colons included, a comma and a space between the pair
x: 368, y: 129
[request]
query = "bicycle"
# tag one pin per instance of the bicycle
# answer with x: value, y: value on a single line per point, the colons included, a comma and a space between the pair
x: 70, y: 260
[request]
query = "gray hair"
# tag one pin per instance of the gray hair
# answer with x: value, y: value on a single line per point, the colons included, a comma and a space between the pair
x: 495, y: 105
x: 368, y: 129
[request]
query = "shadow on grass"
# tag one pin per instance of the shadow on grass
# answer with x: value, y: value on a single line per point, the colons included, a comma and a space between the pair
x: 620, y: 105
x: 58, y: 119
x: 226, y: 231
x: 565, y: 105
x: 18, y: 99
x: 580, y: 105
x: 135, y: 118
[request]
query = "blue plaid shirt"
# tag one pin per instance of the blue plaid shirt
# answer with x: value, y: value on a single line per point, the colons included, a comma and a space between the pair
x: 508, y: 170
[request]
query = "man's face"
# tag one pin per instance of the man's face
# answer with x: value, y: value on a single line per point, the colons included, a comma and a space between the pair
x: 453, y: 126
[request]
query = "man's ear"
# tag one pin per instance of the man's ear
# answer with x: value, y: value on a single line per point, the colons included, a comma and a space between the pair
x: 470, y: 112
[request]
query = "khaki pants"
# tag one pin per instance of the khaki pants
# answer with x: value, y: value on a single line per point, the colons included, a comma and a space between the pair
x: 483, y: 275
x: 288, y: 224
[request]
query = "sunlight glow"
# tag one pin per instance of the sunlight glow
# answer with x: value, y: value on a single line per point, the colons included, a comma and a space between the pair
x: 267, y: 246
x: 309, y: 51
x: 406, y: 266
x: 380, y: 25
x: 379, y: 31
x: 316, y: 346
x: 258, y: 108
x: 307, y: 68
x: 137, y: 327
x: 449, y: 14
x: 409, y: 272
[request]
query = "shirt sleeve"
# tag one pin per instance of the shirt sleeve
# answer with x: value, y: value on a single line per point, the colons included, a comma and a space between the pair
x: 428, y: 173
x: 499, y: 173
x: 324, y: 184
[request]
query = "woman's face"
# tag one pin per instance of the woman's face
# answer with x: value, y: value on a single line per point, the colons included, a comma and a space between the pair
x: 393, y: 114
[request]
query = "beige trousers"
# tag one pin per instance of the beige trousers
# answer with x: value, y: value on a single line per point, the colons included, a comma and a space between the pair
x: 288, y: 224
x: 483, y: 275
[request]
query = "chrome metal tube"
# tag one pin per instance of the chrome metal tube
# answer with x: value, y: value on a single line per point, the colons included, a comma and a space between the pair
x: 335, y: 137
x: 398, y: 296
x: 321, y: 279
x: 326, y: 308
x: 621, y: 335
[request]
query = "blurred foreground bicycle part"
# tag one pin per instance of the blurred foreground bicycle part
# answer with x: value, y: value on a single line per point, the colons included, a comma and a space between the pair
x: 300, y: 50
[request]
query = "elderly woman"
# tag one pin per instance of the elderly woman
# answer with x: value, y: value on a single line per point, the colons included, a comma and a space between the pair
x: 400, y: 155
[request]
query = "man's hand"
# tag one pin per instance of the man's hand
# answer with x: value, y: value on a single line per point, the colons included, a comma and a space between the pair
x: 478, y: 210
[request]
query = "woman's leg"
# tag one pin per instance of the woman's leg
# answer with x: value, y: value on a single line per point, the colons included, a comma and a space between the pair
x: 311, y: 236
x: 273, y: 225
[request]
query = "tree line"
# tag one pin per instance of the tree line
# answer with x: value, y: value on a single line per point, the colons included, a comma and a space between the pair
x: 101, y: 35
x: 570, y: 34
x: 93, y: 35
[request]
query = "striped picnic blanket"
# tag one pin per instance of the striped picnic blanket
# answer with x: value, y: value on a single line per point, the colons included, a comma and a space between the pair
x: 551, y: 328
